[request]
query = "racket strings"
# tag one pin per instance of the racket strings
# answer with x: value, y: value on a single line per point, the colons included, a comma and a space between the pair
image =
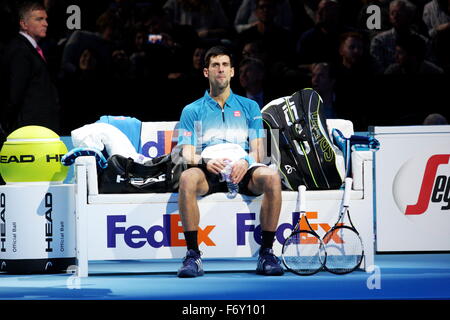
x: 303, y: 253
x: 344, y: 250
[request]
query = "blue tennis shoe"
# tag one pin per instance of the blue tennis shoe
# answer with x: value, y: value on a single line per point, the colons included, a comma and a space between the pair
x: 269, y: 264
x: 192, y: 265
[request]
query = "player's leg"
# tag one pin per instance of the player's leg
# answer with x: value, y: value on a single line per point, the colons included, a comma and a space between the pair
x: 267, y: 181
x: 192, y: 184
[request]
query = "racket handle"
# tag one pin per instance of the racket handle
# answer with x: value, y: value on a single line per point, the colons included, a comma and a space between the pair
x: 302, y: 198
x: 347, y: 188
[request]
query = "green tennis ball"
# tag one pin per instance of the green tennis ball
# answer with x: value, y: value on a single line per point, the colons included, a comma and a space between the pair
x: 33, y: 154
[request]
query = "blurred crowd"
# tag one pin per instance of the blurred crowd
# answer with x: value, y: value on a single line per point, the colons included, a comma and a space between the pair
x: 144, y: 58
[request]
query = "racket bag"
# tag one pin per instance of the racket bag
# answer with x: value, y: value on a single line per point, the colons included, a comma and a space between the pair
x: 300, y: 144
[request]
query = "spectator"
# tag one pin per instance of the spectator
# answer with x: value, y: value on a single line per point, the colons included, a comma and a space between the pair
x: 230, y: 7
x: 207, y: 17
x: 246, y: 15
x: 29, y: 93
x: 192, y: 81
x: 121, y: 66
x: 275, y: 41
x: 82, y: 93
x: 382, y: 47
x: 436, y: 15
x: 441, y: 49
x: 324, y: 82
x: 410, y: 57
x: 303, y: 16
x: 435, y: 119
x: 353, y: 76
x: 138, y: 54
x: 321, y: 42
x: 102, y: 43
x: 354, y: 62
x: 251, y: 79
x: 254, y: 49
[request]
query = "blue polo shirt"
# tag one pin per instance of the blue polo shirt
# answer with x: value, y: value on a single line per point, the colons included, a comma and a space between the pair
x: 204, y: 123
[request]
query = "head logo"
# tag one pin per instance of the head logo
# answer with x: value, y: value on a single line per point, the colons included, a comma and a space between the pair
x: 2, y: 222
x: 434, y: 186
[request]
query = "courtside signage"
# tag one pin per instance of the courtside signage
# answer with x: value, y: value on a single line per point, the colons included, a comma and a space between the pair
x: 37, y: 222
x: 170, y: 232
x: 412, y: 171
x: 157, y: 139
x: 434, y: 185
x: 157, y: 236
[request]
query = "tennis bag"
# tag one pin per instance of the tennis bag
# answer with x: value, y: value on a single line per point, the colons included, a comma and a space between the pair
x: 124, y: 175
x: 300, y: 144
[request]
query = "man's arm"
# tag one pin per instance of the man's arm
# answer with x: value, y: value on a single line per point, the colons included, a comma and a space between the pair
x: 257, y: 149
x: 188, y: 153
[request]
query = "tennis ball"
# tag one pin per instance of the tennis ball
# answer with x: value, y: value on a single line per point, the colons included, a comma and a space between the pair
x: 33, y: 154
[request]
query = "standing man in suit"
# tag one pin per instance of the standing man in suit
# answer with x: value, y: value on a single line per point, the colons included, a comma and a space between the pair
x: 29, y: 95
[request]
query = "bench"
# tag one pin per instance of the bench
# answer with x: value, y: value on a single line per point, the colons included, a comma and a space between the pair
x: 148, y: 226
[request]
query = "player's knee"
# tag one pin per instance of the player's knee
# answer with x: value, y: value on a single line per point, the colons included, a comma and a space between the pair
x: 189, y: 180
x: 272, y: 181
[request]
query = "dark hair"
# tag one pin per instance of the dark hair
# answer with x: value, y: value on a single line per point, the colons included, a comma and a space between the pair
x: 27, y: 7
x: 107, y: 19
x: 352, y: 34
x: 217, y: 51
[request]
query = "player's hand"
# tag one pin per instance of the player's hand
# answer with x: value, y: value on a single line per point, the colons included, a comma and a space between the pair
x: 239, y: 169
x: 216, y: 165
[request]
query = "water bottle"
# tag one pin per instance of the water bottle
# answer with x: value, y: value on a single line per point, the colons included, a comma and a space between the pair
x: 233, y: 188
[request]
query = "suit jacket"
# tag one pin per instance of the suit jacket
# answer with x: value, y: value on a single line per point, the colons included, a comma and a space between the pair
x: 29, y: 96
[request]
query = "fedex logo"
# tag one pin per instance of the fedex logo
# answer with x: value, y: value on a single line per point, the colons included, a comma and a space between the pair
x: 156, y: 236
x: 163, y: 144
x: 168, y: 234
x: 243, y: 227
x: 434, y: 188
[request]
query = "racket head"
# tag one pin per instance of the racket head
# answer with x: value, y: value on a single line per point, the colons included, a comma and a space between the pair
x: 344, y: 248
x: 303, y: 253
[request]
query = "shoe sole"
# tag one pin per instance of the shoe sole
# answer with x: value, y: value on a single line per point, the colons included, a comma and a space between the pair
x: 189, y: 275
x: 273, y: 273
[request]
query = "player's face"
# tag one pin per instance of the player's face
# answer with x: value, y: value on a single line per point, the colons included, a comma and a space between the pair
x: 219, y: 71
x: 35, y: 24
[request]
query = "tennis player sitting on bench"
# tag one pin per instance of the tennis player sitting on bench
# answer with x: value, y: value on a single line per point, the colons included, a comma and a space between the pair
x: 221, y: 116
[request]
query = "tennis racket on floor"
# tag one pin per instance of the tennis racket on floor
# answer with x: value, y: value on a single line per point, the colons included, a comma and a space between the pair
x: 303, y: 251
x: 343, y: 243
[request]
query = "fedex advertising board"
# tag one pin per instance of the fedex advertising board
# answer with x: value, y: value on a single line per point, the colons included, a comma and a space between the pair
x: 412, y: 175
x: 228, y: 228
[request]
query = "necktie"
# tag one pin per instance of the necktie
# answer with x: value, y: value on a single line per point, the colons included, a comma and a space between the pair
x: 39, y: 50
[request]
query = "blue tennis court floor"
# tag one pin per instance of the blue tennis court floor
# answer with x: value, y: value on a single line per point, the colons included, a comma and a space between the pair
x: 394, y: 276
